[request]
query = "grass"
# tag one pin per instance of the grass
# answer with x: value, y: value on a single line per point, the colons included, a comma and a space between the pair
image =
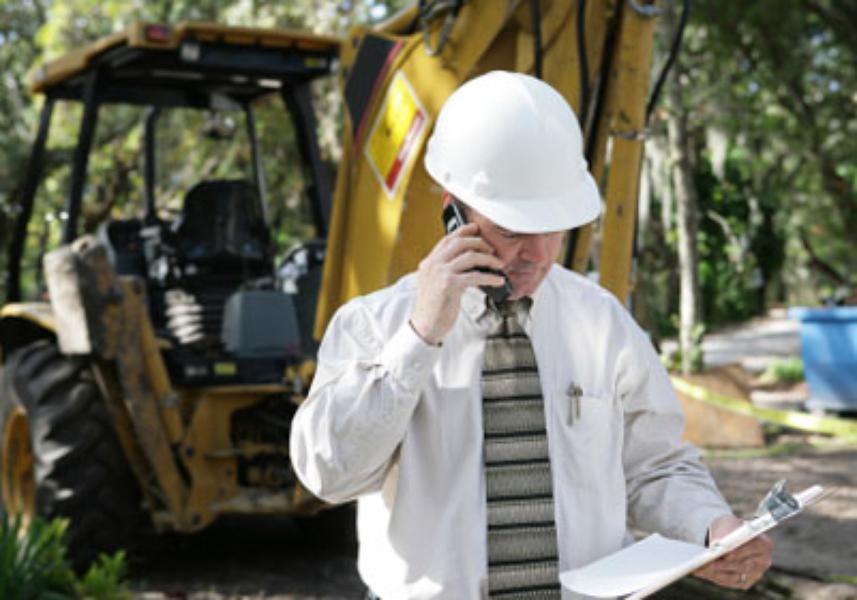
x: 783, y: 371
x: 773, y: 450
x: 849, y: 579
x: 786, y: 445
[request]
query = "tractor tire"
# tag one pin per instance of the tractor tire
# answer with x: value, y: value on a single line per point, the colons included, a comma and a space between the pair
x: 77, y: 468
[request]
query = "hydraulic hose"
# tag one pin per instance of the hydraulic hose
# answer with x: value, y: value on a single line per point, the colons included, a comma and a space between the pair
x: 674, y: 49
x: 536, y: 17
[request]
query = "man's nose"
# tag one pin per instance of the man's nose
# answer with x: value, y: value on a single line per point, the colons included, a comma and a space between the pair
x: 534, y: 248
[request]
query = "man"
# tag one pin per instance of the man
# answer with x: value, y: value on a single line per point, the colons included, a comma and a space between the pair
x: 492, y: 446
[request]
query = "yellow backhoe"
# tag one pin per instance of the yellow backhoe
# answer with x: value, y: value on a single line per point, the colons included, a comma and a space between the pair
x: 157, y: 381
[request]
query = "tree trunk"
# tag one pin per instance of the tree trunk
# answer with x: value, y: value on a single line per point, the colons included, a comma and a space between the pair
x: 686, y: 208
x: 5, y: 235
x: 642, y: 310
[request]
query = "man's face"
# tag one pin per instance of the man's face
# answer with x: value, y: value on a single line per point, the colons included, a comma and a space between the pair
x: 527, y: 257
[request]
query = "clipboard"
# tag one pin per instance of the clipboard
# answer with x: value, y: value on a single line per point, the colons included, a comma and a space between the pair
x: 655, y: 562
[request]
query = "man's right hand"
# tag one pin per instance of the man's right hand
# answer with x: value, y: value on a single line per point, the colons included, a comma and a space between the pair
x: 443, y: 276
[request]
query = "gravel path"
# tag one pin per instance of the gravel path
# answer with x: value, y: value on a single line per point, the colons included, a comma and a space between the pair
x: 753, y: 345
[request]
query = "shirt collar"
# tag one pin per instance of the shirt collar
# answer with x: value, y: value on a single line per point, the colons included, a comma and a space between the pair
x: 473, y: 303
x: 539, y: 296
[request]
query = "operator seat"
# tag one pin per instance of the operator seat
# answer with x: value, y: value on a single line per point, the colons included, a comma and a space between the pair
x: 222, y: 229
x: 218, y: 245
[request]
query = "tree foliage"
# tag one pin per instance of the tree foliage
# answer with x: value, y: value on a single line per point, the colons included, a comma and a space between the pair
x: 35, y: 31
x: 770, y: 89
x: 796, y: 71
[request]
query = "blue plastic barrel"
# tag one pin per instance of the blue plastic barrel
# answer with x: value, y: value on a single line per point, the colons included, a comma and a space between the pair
x: 828, y: 338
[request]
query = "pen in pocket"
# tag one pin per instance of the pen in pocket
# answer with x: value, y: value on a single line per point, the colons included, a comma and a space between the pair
x: 574, y: 394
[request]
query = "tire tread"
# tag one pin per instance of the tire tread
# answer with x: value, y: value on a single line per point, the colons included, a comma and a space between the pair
x: 81, y: 471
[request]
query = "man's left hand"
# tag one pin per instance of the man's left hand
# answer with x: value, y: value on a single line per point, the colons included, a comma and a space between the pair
x: 744, y: 566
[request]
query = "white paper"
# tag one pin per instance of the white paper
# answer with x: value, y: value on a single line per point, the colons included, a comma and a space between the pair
x: 647, y: 566
x: 632, y: 568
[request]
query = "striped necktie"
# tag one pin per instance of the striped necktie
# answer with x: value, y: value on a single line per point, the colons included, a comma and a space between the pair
x: 522, y: 542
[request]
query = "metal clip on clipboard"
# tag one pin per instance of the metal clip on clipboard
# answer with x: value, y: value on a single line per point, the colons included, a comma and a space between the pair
x: 776, y: 506
x: 641, y: 569
x: 778, y: 503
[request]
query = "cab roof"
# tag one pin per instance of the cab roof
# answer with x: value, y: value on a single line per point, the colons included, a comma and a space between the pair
x: 188, y: 64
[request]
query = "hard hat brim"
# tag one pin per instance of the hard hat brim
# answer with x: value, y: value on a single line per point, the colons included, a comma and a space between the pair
x: 577, y: 206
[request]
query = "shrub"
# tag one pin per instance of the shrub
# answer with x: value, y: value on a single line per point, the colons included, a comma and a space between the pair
x: 32, y: 560
x: 34, y: 566
x: 787, y: 370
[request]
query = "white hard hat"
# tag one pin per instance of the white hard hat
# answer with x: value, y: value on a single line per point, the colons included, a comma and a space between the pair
x: 508, y: 145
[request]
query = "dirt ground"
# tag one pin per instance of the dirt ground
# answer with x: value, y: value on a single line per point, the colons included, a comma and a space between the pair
x: 274, y: 559
x: 823, y: 541
x: 816, y: 552
x: 245, y: 558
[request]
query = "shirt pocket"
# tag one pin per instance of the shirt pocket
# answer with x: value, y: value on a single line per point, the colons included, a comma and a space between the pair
x: 587, y: 432
x: 589, y: 483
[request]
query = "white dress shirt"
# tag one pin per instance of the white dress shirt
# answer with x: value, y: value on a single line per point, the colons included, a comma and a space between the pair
x: 397, y: 424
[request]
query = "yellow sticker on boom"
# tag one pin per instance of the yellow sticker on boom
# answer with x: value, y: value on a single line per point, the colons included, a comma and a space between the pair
x: 393, y: 139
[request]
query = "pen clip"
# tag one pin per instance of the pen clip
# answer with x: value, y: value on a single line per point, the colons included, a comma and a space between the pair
x: 574, y: 392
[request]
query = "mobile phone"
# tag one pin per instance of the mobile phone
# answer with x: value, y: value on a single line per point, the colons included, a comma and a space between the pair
x: 453, y: 218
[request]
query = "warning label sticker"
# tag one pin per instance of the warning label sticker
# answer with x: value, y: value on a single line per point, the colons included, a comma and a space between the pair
x: 393, y: 139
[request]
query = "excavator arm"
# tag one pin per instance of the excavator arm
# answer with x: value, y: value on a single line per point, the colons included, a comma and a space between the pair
x: 396, y: 77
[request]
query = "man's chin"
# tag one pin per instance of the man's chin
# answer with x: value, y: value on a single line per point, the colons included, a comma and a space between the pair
x: 524, y: 285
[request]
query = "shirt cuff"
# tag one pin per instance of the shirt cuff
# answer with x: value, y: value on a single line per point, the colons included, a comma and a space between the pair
x: 409, y: 358
x: 701, y: 521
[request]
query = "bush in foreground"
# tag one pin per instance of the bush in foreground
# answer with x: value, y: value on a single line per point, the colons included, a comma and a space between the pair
x: 33, y: 565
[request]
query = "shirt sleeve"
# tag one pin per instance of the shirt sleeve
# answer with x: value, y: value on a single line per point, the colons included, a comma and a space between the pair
x: 669, y: 489
x: 346, y: 433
